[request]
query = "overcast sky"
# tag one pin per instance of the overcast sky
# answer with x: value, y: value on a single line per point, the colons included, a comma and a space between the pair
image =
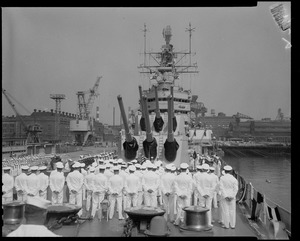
x: 242, y: 60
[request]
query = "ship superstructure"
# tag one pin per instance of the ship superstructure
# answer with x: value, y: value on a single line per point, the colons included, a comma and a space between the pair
x: 160, y: 129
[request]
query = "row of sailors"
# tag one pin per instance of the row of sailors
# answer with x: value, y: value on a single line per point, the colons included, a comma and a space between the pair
x: 143, y: 184
x: 16, y: 162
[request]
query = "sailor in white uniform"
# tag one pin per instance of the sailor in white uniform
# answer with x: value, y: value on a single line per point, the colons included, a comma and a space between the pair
x: 150, y: 183
x: 183, y: 186
x: 139, y: 174
x: 100, y: 187
x: 35, y: 215
x: 56, y: 183
x: 75, y: 182
x: 115, y: 188
x: 7, y: 185
x: 43, y: 182
x: 32, y: 187
x: 131, y: 188
x: 167, y: 189
x: 20, y: 184
x: 228, y: 189
x: 88, y: 182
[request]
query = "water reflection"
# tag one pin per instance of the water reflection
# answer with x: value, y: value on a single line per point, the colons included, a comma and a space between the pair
x: 259, y: 170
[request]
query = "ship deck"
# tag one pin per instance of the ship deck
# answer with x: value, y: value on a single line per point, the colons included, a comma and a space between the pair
x: 115, y: 228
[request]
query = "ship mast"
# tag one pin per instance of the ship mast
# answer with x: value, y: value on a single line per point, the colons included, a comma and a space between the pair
x: 145, y: 30
x: 190, y: 29
x: 158, y: 57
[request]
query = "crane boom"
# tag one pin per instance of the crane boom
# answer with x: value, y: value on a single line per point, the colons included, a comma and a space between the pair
x: 15, y: 110
x: 93, y: 94
x: 31, y: 131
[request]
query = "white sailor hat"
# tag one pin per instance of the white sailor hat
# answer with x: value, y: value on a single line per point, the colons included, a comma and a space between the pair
x: 150, y: 165
x: 143, y: 167
x: 184, y: 165
x: 41, y: 168
x: 94, y: 164
x: 82, y: 164
x: 60, y: 165
x: 168, y: 167
x: 173, y: 168
x: 34, y: 168
x: 138, y: 166
x: 199, y: 167
x: 212, y: 168
x: 120, y: 161
x: 155, y: 166
x: 159, y: 162
x: 205, y: 166
x: 134, y: 161
x: 6, y: 168
x: 25, y: 167
x: 116, y: 168
x: 102, y: 167
x: 115, y: 162
x: 132, y: 168
x: 92, y: 169
x: 227, y: 168
x: 123, y: 165
x: 38, y: 202
x: 148, y: 161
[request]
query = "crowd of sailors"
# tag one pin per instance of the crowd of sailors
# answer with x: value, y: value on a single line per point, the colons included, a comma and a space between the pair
x: 204, y: 182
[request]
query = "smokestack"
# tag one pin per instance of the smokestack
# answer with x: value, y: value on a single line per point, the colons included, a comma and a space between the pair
x: 113, y: 116
x: 97, y: 114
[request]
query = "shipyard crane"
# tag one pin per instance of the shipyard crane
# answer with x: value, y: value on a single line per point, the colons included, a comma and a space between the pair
x: 32, y: 131
x: 83, y: 125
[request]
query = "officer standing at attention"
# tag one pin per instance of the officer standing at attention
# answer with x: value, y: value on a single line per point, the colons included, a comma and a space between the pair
x: 75, y: 182
x: 43, y: 182
x: 228, y: 189
x: 7, y: 185
x: 57, y: 182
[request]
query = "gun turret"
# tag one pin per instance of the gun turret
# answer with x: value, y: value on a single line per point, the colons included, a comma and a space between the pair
x: 150, y: 144
x: 142, y: 120
x: 171, y: 146
x: 158, y: 122
x: 130, y: 145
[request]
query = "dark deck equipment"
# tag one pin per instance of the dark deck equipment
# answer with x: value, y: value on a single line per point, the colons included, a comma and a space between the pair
x: 196, y: 219
x: 142, y: 216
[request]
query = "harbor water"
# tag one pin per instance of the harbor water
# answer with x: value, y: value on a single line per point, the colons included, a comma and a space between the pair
x: 270, y: 175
